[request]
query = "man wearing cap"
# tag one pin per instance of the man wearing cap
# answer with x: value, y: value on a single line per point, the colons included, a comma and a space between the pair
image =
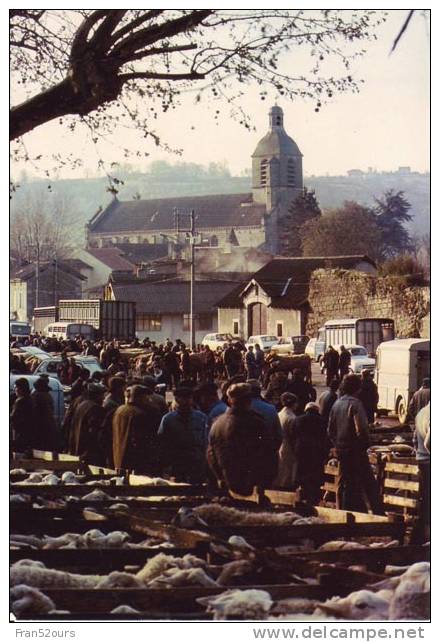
x: 242, y: 451
x: 86, y: 425
x: 183, y: 438
x: 420, y: 398
x: 134, y: 426
x: 327, y: 399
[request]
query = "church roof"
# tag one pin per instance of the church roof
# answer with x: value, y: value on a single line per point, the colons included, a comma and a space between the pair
x: 276, y: 142
x: 212, y: 211
x: 286, y: 280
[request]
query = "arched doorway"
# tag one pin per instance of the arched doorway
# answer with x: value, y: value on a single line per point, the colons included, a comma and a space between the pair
x: 257, y: 319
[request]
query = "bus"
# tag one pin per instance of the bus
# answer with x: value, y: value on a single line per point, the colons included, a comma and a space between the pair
x: 19, y: 330
x: 368, y: 332
x: 63, y: 330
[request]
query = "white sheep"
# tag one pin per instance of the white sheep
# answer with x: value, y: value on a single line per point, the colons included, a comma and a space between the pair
x: 158, y: 564
x: 251, y: 604
x: 69, y: 478
x: 340, y: 545
x: 360, y: 605
x: 182, y: 577
x: 410, y: 593
x: 215, y: 514
x: 238, y: 542
x: 294, y: 606
x: 96, y: 496
x: 18, y: 498
x: 27, y: 600
x: 124, y: 609
x: 119, y: 506
x: 118, y: 579
x: 187, y: 518
x: 51, y: 479
x: 41, y: 577
x: 17, y: 471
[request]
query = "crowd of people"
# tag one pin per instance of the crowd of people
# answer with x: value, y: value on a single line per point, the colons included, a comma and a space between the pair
x: 234, y: 435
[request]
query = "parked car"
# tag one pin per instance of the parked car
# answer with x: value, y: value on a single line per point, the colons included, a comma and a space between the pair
x: 314, y: 349
x: 291, y: 345
x: 49, y: 366
x: 217, y: 340
x: 359, y: 360
x: 265, y: 341
x: 56, y: 392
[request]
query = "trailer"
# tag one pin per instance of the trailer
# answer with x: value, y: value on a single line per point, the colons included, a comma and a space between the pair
x: 111, y: 319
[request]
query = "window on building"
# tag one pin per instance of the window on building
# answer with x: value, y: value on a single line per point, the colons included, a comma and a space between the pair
x: 263, y: 172
x: 148, y: 323
x: 279, y: 328
x: 291, y: 172
x: 235, y: 327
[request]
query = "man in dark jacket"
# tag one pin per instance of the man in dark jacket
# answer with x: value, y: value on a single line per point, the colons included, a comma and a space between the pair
x: 344, y: 362
x: 135, y: 424
x: 331, y: 364
x: 348, y: 432
x: 242, y: 451
x: 327, y: 399
x: 86, y: 426
x: 420, y: 398
x: 232, y: 360
x: 46, y: 434
x: 368, y: 395
x: 310, y: 446
x: 22, y: 417
x: 303, y: 390
x: 183, y: 438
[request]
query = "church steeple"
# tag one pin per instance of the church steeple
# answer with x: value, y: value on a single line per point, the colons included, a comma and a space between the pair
x: 276, y: 165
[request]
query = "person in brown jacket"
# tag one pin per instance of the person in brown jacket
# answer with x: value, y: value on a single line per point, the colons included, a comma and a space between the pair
x: 45, y: 429
x: 135, y: 426
x: 242, y: 451
x: 86, y: 426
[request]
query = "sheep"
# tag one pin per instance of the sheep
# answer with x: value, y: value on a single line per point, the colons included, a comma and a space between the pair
x: 18, y: 498
x: 118, y: 579
x: 187, y: 518
x: 51, y: 479
x: 294, y: 605
x: 410, y: 592
x: 158, y: 481
x: 124, y: 609
x: 33, y: 575
x: 182, y: 577
x: 233, y: 571
x: 17, y: 471
x: 96, y: 496
x: 34, y: 478
x: 360, y: 605
x: 158, y: 564
x: 69, y: 478
x: 217, y: 514
x: 26, y: 540
x: 339, y: 545
x: 119, y: 506
x: 251, y: 604
x: 27, y: 600
x: 240, y: 543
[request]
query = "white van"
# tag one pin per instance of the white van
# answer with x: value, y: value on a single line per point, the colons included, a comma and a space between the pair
x: 401, y: 366
x: 63, y: 330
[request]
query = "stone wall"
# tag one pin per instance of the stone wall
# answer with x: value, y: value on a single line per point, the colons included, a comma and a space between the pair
x: 347, y: 294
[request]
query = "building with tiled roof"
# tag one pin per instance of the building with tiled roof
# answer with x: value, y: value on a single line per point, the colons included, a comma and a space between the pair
x: 274, y: 300
x: 246, y: 220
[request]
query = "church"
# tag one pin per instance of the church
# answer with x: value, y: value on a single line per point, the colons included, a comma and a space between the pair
x: 246, y: 220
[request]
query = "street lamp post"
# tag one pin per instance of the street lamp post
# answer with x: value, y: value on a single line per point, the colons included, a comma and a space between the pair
x: 191, y: 232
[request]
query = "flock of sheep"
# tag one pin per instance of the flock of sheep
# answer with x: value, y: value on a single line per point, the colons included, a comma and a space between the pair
x: 402, y: 595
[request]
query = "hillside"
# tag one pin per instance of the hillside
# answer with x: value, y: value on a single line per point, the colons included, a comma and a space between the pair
x: 85, y: 196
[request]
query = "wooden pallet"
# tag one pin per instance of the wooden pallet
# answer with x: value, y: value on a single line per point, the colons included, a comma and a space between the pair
x: 401, y: 487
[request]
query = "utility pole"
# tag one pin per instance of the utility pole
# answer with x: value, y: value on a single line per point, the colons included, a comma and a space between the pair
x: 37, y: 277
x: 191, y: 234
x: 55, y: 276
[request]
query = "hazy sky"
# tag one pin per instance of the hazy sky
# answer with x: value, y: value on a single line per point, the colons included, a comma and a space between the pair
x: 384, y: 126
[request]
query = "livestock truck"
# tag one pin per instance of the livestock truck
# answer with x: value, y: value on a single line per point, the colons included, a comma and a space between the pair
x: 111, y: 319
